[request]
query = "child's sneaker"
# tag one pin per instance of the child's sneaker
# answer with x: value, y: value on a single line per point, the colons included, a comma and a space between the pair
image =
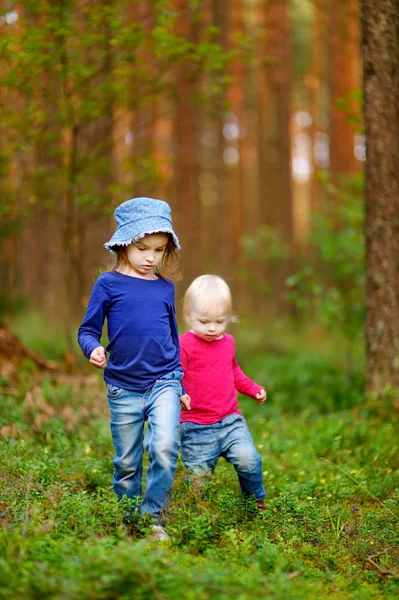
x: 159, y: 534
x: 261, y: 505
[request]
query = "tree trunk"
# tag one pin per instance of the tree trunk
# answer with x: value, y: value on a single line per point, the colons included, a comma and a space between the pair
x: 381, y: 89
x: 186, y: 121
x: 144, y: 116
x: 236, y: 119
x: 224, y: 260
x: 316, y: 83
x: 265, y: 164
x: 344, y: 78
x: 279, y: 77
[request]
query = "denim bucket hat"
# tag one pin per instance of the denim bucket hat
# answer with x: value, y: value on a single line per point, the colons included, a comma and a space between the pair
x: 139, y: 217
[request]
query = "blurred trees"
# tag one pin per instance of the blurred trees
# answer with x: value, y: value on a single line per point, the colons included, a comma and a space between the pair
x: 227, y: 110
x: 74, y: 71
x: 332, y: 284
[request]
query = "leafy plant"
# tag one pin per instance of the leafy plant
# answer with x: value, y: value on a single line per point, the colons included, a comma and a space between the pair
x: 330, y: 284
x: 263, y: 254
x: 61, y: 526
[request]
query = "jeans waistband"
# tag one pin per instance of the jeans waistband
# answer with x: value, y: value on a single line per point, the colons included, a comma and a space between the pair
x: 173, y: 375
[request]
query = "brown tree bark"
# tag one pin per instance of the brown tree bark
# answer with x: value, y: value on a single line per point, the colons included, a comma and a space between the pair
x: 279, y: 87
x: 13, y: 169
x: 315, y: 81
x: 262, y: 122
x: 143, y: 117
x: 236, y: 216
x: 186, y: 138
x: 224, y: 260
x: 344, y: 77
x: 279, y: 78
x: 380, y: 42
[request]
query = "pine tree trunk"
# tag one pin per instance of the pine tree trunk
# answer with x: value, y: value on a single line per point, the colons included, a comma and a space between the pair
x: 279, y: 83
x: 236, y: 106
x: 224, y: 260
x: 316, y: 82
x: 280, y: 87
x: 381, y: 89
x: 344, y: 78
x: 186, y: 136
x: 144, y: 117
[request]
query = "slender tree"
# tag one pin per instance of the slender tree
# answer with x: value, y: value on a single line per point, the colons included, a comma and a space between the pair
x: 344, y: 79
x: 316, y: 83
x: 219, y: 11
x: 280, y: 80
x: 236, y: 133
x: 278, y: 193
x: 380, y: 21
x: 186, y: 130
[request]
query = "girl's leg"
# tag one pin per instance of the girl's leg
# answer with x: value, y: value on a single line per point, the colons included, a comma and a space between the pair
x: 240, y: 451
x: 127, y: 425
x: 162, y: 409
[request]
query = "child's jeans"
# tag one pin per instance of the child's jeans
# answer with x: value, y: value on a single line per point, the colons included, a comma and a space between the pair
x: 129, y: 410
x: 203, y: 444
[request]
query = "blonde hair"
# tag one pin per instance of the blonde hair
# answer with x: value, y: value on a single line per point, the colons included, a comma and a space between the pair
x: 205, y: 292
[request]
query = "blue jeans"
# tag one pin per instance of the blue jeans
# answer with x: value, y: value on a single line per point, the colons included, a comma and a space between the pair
x: 129, y: 410
x: 202, y: 445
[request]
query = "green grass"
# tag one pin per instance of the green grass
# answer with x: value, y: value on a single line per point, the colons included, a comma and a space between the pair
x: 331, y: 468
x: 40, y: 333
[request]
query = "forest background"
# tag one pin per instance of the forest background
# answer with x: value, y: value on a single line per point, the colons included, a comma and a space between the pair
x: 244, y: 116
x: 251, y: 119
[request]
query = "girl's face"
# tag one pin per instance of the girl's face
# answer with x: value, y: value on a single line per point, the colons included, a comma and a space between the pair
x: 208, y: 325
x: 146, y: 254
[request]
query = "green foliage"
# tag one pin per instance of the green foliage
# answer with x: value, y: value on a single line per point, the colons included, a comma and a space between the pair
x: 331, y: 469
x: 299, y: 380
x: 330, y: 285
x: 352, y: 106
x: 302, y: 15
x: 263, y: 253
x: 70, y: 71
x: 267, y: 245
x: 40, y: 334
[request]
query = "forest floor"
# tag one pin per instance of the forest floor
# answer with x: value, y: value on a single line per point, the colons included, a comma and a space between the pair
x: 331, y: 469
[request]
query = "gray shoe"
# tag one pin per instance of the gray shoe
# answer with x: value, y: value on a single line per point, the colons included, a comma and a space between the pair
x: 159, y: 534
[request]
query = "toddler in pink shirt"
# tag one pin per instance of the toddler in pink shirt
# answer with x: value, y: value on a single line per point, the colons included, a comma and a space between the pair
x: 211, y: 423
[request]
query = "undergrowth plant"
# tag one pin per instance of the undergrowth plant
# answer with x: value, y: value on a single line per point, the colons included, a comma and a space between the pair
x: 329, y: 286
x: 331, y: 470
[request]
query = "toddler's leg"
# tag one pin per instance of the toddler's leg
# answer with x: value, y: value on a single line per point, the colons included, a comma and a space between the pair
x: 240, y: 451
x: 127, y: 424
x: 200, y: 448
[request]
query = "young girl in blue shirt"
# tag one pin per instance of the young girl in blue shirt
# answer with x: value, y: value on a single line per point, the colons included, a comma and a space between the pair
x: 142, y: 371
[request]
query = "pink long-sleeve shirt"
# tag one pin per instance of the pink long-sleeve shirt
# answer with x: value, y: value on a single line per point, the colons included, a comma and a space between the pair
x: 212, y: 378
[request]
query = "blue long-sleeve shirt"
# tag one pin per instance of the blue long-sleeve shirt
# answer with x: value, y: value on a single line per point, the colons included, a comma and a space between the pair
x: 142, y: 330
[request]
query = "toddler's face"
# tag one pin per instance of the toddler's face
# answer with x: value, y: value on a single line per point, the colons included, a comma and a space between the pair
x: 146, y: 254
x: 210, y: 325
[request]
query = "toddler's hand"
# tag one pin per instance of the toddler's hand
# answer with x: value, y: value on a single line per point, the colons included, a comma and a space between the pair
x: 98, y: 358
x: 261, y: 396
x: 185, y: 402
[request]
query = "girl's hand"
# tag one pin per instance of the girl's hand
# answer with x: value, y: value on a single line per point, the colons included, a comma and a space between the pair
x: 98, y: 358
x: 185, y: 402
x: 261, y: 396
